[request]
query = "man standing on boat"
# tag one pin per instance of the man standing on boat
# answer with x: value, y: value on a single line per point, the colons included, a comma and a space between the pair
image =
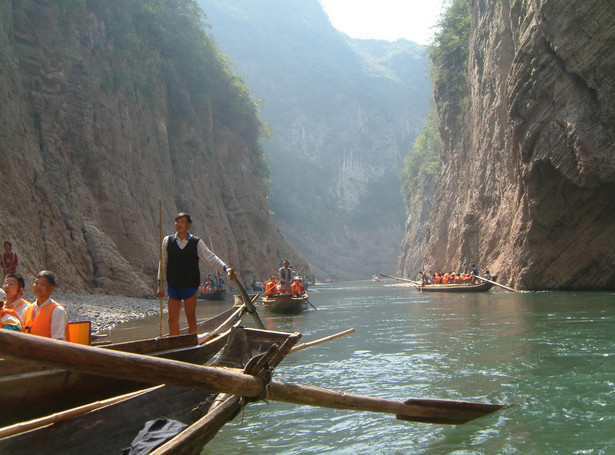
x: 285, y: 275
x: 179, y: 267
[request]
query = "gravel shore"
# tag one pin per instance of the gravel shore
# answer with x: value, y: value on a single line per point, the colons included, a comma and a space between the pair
x: 104, y: 311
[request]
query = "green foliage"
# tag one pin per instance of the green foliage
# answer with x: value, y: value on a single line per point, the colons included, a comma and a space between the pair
x: 169, y: 36
x: 449, y: 52
x: 422, y: 165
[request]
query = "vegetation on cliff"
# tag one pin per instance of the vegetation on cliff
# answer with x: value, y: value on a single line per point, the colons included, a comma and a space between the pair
x: 422, y: 165
x: 449, y: 57
x: 172, y: 35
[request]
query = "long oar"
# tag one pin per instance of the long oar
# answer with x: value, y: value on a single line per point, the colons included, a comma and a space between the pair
x: 154, y: 370
x: 321, y: 340
x: 401, y: 279
x: 497, y: 284
x: 248, y: 303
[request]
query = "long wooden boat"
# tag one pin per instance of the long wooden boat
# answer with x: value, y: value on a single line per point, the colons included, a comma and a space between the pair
x: 112, y: 428
x: 218, y: 294
x: 286, y: 303
x: 40, y: 391
x: 460, y: 287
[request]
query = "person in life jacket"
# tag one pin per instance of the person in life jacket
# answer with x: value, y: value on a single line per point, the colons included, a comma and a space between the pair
x: 8, y: 317
x: 270, y: 286
x: 297, y: 287
x: 45, y: 317
x: 14, y: 285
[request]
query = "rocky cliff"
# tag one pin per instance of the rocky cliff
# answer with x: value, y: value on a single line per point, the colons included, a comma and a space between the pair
x: 92, y: 137
x: 529, y: 190
x: 344, y: 113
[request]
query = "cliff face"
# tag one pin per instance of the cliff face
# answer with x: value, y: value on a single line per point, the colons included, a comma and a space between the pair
x: 85, y: 156
x: 344, y: 113
x: 530, y: 191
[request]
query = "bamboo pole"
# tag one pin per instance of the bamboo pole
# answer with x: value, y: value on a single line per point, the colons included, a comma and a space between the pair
x: 160, y: 257
x: 417, y: 283
x: 321, y: 340
x: 497, y: 284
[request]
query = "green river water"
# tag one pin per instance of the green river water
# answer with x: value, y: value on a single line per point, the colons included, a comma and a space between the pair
x: 547, y: 354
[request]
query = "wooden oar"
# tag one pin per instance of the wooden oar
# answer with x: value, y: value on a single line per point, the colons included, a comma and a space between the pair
x: 418, y: 283
x: 497, y: 284
x: 154, y: 370
x: 68, y: 414
x: 248, y: 303
x: 321, y: 340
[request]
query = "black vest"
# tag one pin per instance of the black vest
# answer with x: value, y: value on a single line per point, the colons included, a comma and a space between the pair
x: 183, y: 265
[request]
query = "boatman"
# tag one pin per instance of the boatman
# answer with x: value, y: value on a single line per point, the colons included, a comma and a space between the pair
x: 45, y: 317
x: 285, y: 276
x: 179, y: 268
x: 14, y: 285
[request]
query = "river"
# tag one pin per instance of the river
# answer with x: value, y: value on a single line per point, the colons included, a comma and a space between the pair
x: 546, y: 354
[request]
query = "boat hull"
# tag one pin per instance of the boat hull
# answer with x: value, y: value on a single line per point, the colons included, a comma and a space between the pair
x: 455, y: 288
x: 112, y: 428
x: 40, y: 391
x: 286, y: 303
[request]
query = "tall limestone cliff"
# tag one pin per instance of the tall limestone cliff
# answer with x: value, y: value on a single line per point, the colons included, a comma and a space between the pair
x: 343, y: 113
x: 528, y: 190
x: 92, y: 134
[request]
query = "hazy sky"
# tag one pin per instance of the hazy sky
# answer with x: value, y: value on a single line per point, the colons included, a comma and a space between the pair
x: 385, y: 19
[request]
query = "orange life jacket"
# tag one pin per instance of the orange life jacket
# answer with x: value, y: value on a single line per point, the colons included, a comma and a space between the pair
x: 297, y: 288
x: 9, y: 319
x: 41, y: 324
x: 270, y: 287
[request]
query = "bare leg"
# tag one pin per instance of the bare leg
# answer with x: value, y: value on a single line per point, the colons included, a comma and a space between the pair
x: 190, y: 309
x: 175, y: 307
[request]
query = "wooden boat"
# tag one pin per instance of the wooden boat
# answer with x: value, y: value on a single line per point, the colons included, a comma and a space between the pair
x: 459, y: 287
x: 286, y: 303
x: 40, y: 391
x: 218, y: 294
x: 254, y: 383
x: 112, y: 428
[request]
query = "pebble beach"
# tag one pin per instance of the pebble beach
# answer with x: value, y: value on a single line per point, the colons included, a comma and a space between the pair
x: 104, y: 311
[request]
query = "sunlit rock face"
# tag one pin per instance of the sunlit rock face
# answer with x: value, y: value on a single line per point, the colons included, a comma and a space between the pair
x: 530, y: 193
x: 85, y: 158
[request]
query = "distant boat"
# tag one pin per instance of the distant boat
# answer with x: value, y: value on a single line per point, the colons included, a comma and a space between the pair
x: 459, y: 287
x: 218, y: 294
x: 286, y: 303
x: 375, y: 278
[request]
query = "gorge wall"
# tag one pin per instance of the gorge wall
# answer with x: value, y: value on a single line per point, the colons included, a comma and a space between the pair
x: 344, y: 114
x: 85, y: 155
x: 527, y: 188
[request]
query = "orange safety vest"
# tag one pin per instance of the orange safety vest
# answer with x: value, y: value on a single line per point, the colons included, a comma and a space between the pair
x: 297, y: 288
x: 270, y: 287
x: 22, y: 302
x: 41, y: 324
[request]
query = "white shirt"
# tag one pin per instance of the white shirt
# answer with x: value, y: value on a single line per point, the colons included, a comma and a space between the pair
x: 21, y: 310
x: 59, y: 319
x: 205, y: 255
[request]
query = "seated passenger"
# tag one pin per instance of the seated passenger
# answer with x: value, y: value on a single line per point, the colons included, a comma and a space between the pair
x: 46, y: 317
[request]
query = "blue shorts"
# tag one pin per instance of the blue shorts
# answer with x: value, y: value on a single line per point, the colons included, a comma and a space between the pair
x: 181, y: 292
